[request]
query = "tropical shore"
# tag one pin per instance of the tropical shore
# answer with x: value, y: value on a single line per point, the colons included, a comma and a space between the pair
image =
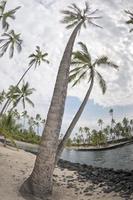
x: 15, y: 167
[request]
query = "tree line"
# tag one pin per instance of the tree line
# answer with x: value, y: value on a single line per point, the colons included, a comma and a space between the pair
x: 104, y: 135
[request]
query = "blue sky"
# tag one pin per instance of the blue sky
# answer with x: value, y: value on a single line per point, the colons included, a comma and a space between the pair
x: 93, y: 112
x: 38, y: 21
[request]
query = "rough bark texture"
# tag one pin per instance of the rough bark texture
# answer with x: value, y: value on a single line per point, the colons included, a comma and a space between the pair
x: 73, y: 123
x: 40, y: 182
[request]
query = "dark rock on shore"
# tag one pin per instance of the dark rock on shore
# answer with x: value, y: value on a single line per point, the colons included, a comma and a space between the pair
x: 109, y: 179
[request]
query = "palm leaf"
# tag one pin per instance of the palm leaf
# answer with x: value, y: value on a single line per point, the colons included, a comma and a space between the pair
x: 102, y: 82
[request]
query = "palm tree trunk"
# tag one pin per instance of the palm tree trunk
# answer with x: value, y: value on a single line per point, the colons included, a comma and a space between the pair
x: 8, y: 102
x: 74, y: 121
x: 40, y: 181
x: 4, y: 107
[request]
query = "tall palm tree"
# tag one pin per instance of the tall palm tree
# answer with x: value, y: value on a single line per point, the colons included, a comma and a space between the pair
x: 31, y: 124
x: 87, y: 131
x: 85, y: 68
x: 40, y: 182
x: 111, y: 112
x: 100, y: 123
x: 38, y: 120
x: 22, y: 95
x: 16, y: 114
x: 130, y: 21
x: 118, y: 129
x: 10, y: 41
x: 5, y: 15
x: 24, y: 115
x: 131, y: 124
x: 2, y: 96
x: 35, y: 60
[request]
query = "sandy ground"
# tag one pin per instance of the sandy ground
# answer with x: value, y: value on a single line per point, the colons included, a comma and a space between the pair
x: 15, y: 167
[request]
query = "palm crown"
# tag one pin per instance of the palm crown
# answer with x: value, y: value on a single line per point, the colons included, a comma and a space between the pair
x: 130, y: 21
x: 75, y: 15
x: 20, y: 94
x: 10, y: 40
x: 5, y: 15
x: 84, y: 68
x: 38, y: 57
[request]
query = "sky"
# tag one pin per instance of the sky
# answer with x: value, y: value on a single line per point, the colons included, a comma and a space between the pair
x: 38, y: 21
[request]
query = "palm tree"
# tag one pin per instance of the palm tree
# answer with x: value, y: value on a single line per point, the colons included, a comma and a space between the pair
x: 131, y: 124
x: 41, y: 178
x: 111, y: 112
x: 100, y: 123
x: 10, y: 41
x: 38, y: 120
x: 118, y: 129
x: 5, y: 15
x: 81, y: 131
x: 31, y: 124
x: 16, y: 114
x: 130, y: 21
x: 87, y: 131
x: 2, y: 96
x: 126, y: 128
x: 35, y: 60
x: 85, y: 68
x: 24, y: 115
x: 22, y: 95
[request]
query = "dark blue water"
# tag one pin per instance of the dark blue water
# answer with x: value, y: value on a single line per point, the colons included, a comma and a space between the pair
x: 120, y: 158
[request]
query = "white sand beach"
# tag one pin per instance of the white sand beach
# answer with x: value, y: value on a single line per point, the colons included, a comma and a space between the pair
x: 15, y: 167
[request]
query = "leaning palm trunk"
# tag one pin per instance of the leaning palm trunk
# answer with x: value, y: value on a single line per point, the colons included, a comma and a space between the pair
x: 8, y: 101
x: 73, y: 123
x: 40, y: 181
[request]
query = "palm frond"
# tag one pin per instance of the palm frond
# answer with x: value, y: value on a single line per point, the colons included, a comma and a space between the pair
x: 102, y: 82
x: 74, y: 15
x: 84, y: 49
x: 104, y: 60
x: 130, y: 21
x: 38, y: 57
x: 10, y: 40
x: 81, y: 77
x: 29, y: 101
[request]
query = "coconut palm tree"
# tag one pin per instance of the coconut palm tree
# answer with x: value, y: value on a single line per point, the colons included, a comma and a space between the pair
x: 2, y: 96
x: 111, y: 112
x: 16, y: 114
x: 24, y: 115
x: 40, y: 182
x: 88, y: 134
x: 5, y: 15
x: 131, y: 124
x: 85, y: 69
x: 130, y: 21
x: 100, y: 123
x: 21, y: 95
x: 10, y: 41
x: 126, y: 127
x: 38, y: 120
x: 31, y: 123
x: 35, y: 60
x: 118, y: 129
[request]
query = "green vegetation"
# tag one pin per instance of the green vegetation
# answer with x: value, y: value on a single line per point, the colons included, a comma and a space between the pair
x: 116, y: 132
x: 21, y: 127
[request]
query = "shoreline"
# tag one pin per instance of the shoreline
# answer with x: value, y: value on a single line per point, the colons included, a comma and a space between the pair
x: 119, y: 181
x: 33, y: 148
x: 71, y: 180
